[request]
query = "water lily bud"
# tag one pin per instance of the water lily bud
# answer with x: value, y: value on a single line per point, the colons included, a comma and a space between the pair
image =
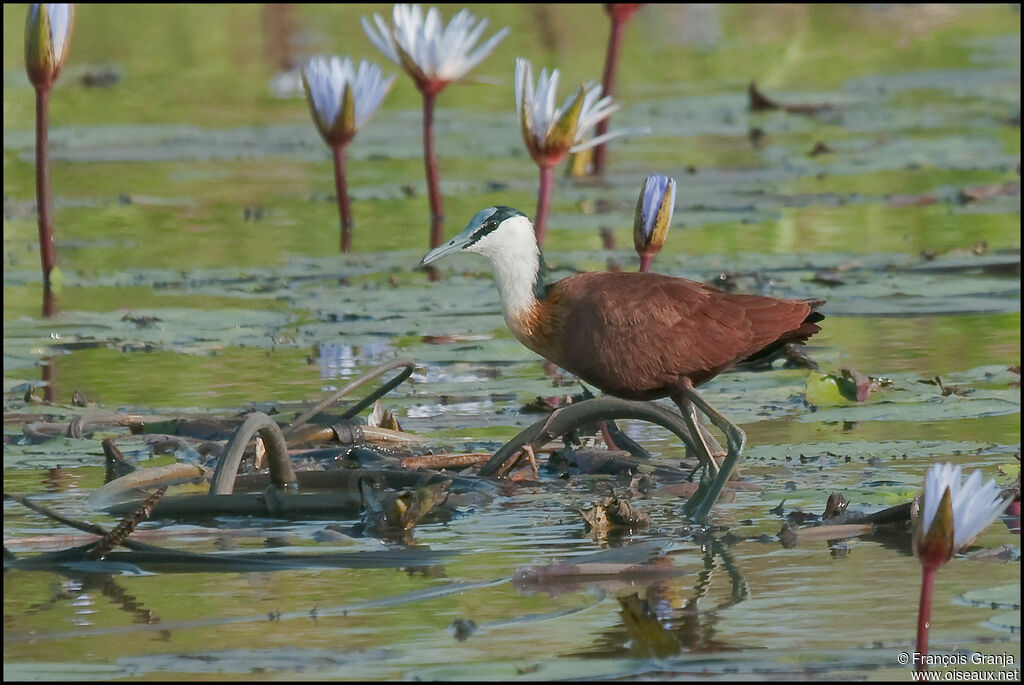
x: 47, y: 34
x: 950, y: 521
x: 933, y: 539
x: 342, y: 97
x: 551, y: 132
x: 653, y: 214
x: 563, y: 133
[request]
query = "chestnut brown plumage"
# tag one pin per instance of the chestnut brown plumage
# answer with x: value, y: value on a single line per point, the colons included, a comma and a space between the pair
x: 639, y: 336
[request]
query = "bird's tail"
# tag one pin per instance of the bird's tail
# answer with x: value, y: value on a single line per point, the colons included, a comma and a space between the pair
x: 809, y: 325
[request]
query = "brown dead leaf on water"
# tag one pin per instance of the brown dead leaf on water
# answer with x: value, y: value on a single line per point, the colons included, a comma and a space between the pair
x: 916, y: 200
x: 759, y: 102
x: 989, y: 191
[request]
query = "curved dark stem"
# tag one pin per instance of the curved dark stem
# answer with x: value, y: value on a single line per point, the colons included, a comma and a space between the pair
x: 126, y: 527
x: 567, y: 418
x: 47, y: 245
x: 281, y: 472
x: 341, y: 188
x: 624, y: 442
x: 611, y: 61
x: 60, y: 518
x: 83, y: 526
x: 409, y: 365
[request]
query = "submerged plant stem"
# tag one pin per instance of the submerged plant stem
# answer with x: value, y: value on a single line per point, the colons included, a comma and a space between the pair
x: 543, y: 202
x: 341, y: 188
x: 924, y: 611
x: 611, y: 61
x: 47, y: 245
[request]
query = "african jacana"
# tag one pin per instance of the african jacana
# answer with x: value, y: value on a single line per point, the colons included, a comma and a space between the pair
x: 638, y: 336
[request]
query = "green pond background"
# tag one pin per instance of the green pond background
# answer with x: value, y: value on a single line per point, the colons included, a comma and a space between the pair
x: 187, y: 190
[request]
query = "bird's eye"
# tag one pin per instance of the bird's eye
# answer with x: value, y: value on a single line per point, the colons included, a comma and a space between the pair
x: 452, y: 242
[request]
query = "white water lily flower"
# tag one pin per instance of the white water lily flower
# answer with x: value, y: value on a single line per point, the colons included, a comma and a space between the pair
x: 432, y: 54
x: 974, y: 506
x: 550, y: 132
x: 341, y: 97
x: 47, y: 35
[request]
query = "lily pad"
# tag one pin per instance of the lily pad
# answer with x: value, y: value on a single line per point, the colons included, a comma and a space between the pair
x: 1002, y: 597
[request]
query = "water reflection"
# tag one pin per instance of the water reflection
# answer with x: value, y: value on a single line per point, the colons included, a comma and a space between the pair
x: 80, y: 593
x: 340, y: 361
x: 48, y: 367
x: 669, y: 619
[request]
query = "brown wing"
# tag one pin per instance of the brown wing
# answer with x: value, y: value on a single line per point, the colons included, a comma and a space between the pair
x: 631, y: 334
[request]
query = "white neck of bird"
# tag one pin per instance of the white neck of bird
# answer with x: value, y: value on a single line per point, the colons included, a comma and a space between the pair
x: 519, y: 269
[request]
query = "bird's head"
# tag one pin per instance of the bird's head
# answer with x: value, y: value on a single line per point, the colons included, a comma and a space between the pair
x: 497, y: 233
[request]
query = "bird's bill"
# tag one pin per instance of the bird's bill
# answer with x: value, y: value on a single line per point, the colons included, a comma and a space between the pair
x: 454, y: 245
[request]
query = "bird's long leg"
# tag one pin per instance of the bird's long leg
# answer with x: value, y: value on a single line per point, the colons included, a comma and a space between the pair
x: 688, y: 400
x: 700, y: 435
x: 718, y: 453
x: 735, y: 439
x: 734, y: 435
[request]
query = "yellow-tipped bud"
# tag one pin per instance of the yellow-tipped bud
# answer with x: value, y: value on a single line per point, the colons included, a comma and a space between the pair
x: 47, y: 35
x: 551, y: 132
x: 563, y: 133
x: 653, y: 214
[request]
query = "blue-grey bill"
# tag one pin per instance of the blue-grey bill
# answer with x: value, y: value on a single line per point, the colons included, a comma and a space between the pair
x: 453, y: 245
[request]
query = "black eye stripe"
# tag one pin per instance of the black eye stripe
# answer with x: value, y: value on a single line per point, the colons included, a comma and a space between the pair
x: 485, y: 228
x: 492, y: 222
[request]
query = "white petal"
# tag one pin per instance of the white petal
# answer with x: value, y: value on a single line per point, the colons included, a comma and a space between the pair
x: 938, y: 478
x: 605, y: 137
x: 322, y: 91
x: 381, y: 41
x: 484, y: 50
x: 440, y: 52
x: 523, y: 80
x: 975, y: 505
x: 60, y: 26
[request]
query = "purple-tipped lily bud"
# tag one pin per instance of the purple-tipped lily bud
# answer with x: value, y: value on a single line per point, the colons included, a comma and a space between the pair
x: 434, y: 55
x: 653, y: 214
x: 341, y: 97
x: 953, y: 514
x: 47, y: 35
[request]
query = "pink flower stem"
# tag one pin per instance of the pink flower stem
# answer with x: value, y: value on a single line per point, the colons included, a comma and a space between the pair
x: 611, y: 61
x: 540, y: 224
x: 924, y: 611
x: 47, y: 245
x: 433, y: 181
x: 341, y: 188
x: 645, y: 262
